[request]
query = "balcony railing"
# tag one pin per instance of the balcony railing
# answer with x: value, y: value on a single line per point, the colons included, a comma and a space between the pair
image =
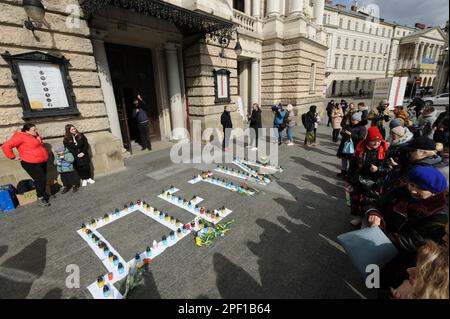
x: 244, y: 21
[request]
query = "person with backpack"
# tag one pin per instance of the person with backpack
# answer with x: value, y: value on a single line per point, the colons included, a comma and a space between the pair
x: 309, y: 120
x: 280, y: 122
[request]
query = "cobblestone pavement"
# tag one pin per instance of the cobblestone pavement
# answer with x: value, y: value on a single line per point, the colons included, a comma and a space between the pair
x: 282, y: 245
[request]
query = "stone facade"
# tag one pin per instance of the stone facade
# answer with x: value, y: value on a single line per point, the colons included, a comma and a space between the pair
x: 58, y: 38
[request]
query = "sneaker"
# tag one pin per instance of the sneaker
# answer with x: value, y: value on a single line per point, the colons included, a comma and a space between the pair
x: 75, y: 189
x: 84, y: 183
x: 90, y: 181
x: 65, y: 190
x: 356, y: 221
x: 43, y: 202
x: 290, y: 143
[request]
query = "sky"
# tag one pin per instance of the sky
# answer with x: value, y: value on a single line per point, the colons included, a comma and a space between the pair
x: 428, y: 12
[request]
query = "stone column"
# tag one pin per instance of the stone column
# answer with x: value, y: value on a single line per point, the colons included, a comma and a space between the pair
x: 247, y: 7
x: 421, y: 51
x: 107, y: 88
x: 256, y: 8
x: 176, y: 103
x: 296, y: 7
x: 319, y: 7
x: 416, y: 51
x: 255, y: 81
x: 273, y: 8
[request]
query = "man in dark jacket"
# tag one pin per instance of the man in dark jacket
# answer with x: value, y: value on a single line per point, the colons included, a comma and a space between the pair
x: 227, y: 125
x: 142, y: 123
x: 310, y: 120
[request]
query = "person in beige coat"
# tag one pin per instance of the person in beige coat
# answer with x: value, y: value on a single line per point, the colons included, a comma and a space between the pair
x: 336, y: 119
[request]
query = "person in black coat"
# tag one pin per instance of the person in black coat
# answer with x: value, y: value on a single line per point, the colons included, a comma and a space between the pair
x: 78, y: 145
x: 330, y: 107
x: 227, y: 126
x: 310, y: 121
x: 142, y: 122
x: 255, y: 124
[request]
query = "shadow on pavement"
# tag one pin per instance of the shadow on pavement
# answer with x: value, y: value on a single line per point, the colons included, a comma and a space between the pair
x: 146, y: 290
x: 18, y: 273
x: 288, y: 267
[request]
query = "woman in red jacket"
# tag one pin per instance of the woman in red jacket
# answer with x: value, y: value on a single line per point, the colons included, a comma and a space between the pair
x: 32, y: 156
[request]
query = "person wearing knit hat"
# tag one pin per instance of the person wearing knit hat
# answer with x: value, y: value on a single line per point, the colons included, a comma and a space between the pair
x: 354, y: 129
x: 371, y: 165
x: 414, y: 213
x: 357, y: 116
x: 394, y: 123
x: 64, y: 160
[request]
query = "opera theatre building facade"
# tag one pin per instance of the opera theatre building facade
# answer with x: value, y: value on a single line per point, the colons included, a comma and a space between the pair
x: 84, y: 62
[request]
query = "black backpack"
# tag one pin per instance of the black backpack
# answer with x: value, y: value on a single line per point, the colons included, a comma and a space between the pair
x: 304, y: 119
x: 24, y: 186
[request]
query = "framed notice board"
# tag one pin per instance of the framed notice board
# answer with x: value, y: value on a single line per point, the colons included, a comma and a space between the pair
x: 43, y: 84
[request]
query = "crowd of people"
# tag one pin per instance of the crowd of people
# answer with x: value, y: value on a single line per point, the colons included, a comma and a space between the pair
x: 72, y: 159
x: 400, y: 184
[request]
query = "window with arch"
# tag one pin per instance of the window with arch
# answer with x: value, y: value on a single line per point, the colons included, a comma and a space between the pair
x: 346, y: 43
x: 368, y: 47
x: 338, y: 43
x: 349, y: 23
x: 341, y: 21
x: 361, y: 46
x: 354, y: 44
x: 374, y: 49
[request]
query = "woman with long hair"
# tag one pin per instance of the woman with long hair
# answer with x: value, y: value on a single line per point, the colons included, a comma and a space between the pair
x: 77, y: 143
x: 32, y: 156
x: 429, y: 278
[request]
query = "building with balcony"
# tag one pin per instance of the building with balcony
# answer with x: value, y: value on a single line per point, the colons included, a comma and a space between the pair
x: 181, y: 56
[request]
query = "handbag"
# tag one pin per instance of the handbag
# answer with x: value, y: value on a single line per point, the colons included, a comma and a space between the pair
x: 349, y: 147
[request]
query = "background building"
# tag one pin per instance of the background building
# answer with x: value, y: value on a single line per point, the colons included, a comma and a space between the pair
x: 166, y: 51
x: 363, y: 48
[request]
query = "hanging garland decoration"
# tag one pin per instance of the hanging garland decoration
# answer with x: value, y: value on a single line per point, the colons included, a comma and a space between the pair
x: 186, y: 20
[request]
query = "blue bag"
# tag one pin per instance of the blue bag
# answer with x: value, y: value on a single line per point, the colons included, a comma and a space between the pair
x: 349, y: 148
x: 8, y: 199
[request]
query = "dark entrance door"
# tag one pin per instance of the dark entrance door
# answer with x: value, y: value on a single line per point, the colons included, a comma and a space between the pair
x: 131, y: 71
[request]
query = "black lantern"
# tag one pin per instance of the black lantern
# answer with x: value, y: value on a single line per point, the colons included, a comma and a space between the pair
x: 35, y: 11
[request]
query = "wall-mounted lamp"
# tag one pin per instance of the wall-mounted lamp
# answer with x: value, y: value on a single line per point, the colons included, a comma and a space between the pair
x: 35, y: 11
x: 224, y: 42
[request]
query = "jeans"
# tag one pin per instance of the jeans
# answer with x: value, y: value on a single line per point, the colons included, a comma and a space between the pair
x: 37, y: 172
x: 289, y: 134
x: 280, y: 136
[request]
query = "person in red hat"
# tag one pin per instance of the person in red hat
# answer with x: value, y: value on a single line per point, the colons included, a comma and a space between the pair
x: 368, y: 166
